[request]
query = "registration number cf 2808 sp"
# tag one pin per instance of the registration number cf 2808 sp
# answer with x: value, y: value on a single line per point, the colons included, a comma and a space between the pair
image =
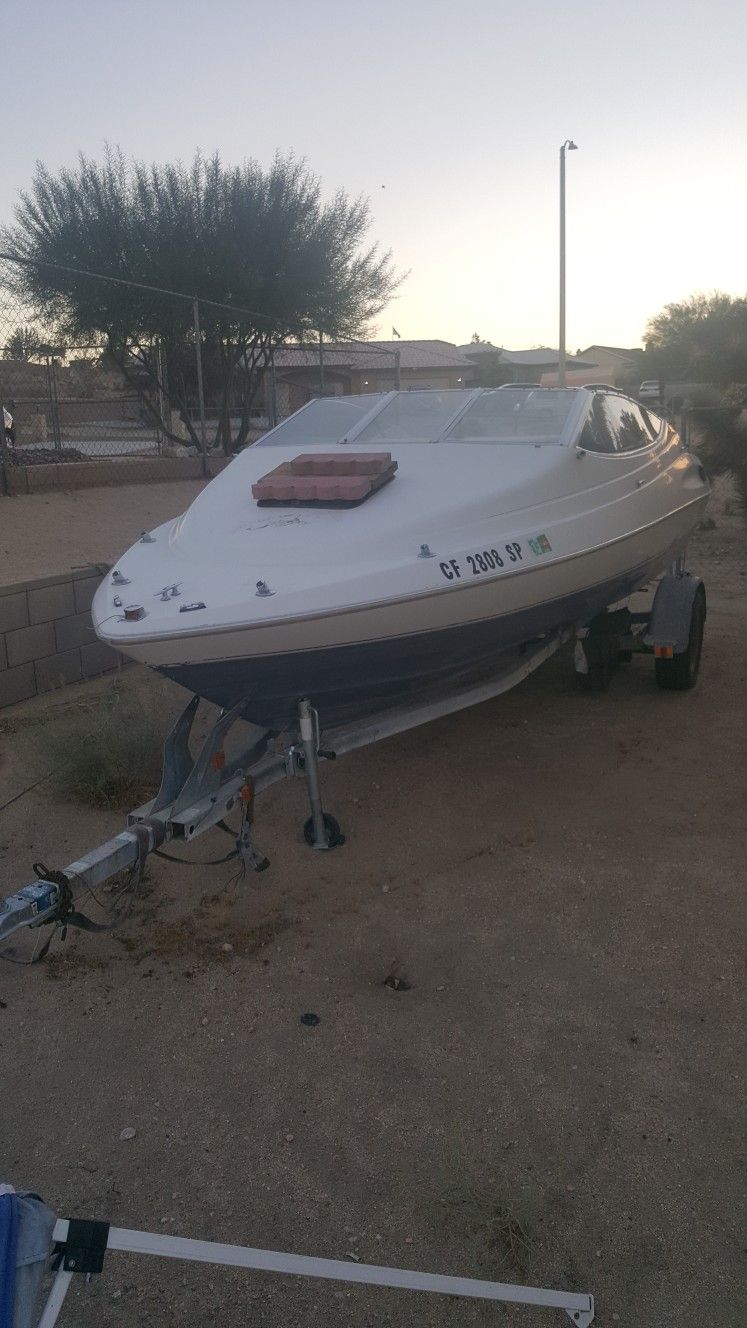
x: 493, y: 559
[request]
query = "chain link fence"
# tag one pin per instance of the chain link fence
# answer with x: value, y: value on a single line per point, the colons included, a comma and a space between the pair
x: 209, y: 382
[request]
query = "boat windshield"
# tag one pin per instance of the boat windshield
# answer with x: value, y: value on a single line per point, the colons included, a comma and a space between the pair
x: 514, y: 414
x: 415, y: 417
x: 326, y: 420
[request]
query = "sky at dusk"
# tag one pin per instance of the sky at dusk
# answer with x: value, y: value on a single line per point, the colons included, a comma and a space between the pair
x: 450, y: 117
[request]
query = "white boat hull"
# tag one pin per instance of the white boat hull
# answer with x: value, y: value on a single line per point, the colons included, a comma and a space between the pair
x: 362, y: 610
x: 358, y: 661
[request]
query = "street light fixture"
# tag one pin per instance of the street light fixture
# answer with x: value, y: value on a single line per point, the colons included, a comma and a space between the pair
x: 571, y: 147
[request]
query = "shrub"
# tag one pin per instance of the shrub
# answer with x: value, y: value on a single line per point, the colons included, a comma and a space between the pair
x: 105, y: 755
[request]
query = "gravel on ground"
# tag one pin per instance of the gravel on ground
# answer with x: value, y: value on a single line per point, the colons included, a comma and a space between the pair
x: 553, y: 1092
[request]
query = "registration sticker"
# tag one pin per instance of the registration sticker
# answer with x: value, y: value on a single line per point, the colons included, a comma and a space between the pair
x: 540, y: 544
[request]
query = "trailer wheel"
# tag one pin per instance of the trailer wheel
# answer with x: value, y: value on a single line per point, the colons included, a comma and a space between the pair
x: 334, y: 836
x: 680, y: 673
x: 595, y: 658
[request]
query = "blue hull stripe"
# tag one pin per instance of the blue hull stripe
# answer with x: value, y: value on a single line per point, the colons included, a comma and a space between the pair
x: 350, y: 681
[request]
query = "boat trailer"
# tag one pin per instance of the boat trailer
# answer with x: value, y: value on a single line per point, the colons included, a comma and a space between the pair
x: 197, y: 793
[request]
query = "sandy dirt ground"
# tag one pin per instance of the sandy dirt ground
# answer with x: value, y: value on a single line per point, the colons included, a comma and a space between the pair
x: 42, y: 534
x: 556, y: 1097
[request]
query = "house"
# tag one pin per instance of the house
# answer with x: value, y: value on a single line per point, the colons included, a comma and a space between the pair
x: 531, y: 366
x: 349, y: 369
x: 521, y: 366
x: 620, y: 366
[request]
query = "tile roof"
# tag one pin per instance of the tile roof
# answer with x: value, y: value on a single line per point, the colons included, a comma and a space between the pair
x: 477, y: 348
x: 629, y: 352
x: 541, y: 355
x: 427, y: 354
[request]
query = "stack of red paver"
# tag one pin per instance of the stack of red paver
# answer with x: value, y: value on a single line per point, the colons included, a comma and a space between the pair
x: 322, y: 478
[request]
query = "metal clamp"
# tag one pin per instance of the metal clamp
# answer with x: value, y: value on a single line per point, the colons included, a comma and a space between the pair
x: 85, y: 1246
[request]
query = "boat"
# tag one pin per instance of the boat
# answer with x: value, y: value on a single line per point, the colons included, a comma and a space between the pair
x: 372, y: 546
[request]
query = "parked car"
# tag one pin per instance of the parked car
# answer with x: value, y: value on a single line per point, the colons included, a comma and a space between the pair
x: 651, y: 390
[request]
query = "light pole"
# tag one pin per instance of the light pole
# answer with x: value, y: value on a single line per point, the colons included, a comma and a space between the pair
x: 571, y: 146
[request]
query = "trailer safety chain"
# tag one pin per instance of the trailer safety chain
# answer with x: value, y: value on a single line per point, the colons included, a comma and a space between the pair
x: 65, y: 915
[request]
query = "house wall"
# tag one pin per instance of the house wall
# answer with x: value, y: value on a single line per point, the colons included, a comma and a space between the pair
x: 47, y: 637
x: 81, y: 378
x: 293, y: 389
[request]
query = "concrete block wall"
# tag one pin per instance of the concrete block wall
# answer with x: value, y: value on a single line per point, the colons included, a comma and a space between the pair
x: 42, y: 477
x: 47, y: 637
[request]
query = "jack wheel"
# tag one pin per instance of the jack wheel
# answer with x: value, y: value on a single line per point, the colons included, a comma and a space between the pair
x: 597, y: 679
x: 680, y: 673
x: 332, y: 832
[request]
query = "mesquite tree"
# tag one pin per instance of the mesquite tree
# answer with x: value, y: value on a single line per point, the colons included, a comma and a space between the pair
x: 268, y: 257
x: 704, y: 340
x: 24, y: 343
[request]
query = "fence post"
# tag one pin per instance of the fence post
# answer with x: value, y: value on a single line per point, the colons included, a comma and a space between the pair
x: 200, y: 392
x: 321, y: 364
x: 53, y: 404
x: 397, y: 371
x: 272, y: 403
x: 4, y: 456
x: 161, y: 398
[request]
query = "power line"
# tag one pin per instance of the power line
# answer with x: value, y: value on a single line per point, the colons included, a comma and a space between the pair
x: 371, y: 348
x: 155, y: 290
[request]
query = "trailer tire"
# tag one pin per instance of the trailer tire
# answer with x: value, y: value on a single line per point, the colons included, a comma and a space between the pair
x: 680, y: 673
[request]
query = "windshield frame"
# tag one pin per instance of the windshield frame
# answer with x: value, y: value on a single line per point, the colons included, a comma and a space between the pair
x: 271, y: 438
x: 568, y: 436
x: 362, y: 425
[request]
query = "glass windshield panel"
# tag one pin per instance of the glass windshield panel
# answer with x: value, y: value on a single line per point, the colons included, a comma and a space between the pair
x: 326, y: 420
x: 626, y: 424
x: 508, y: 415
x: 414, y: 417
x: 596, y: 435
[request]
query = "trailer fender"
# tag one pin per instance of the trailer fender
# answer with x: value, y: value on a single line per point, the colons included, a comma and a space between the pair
x: 669, y: 624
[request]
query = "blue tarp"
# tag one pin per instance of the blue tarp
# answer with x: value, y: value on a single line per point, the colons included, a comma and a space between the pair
x: 26, y: 1226
x: 8, y: 1254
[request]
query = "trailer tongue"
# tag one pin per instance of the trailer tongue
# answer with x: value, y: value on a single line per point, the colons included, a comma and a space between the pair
x: 197, y: 794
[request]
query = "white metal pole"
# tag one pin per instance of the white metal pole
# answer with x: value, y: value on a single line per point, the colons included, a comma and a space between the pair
x: 561, y: 332
x: 578, y: 1306
x: 55, y: 1299
x: 571, y: 146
